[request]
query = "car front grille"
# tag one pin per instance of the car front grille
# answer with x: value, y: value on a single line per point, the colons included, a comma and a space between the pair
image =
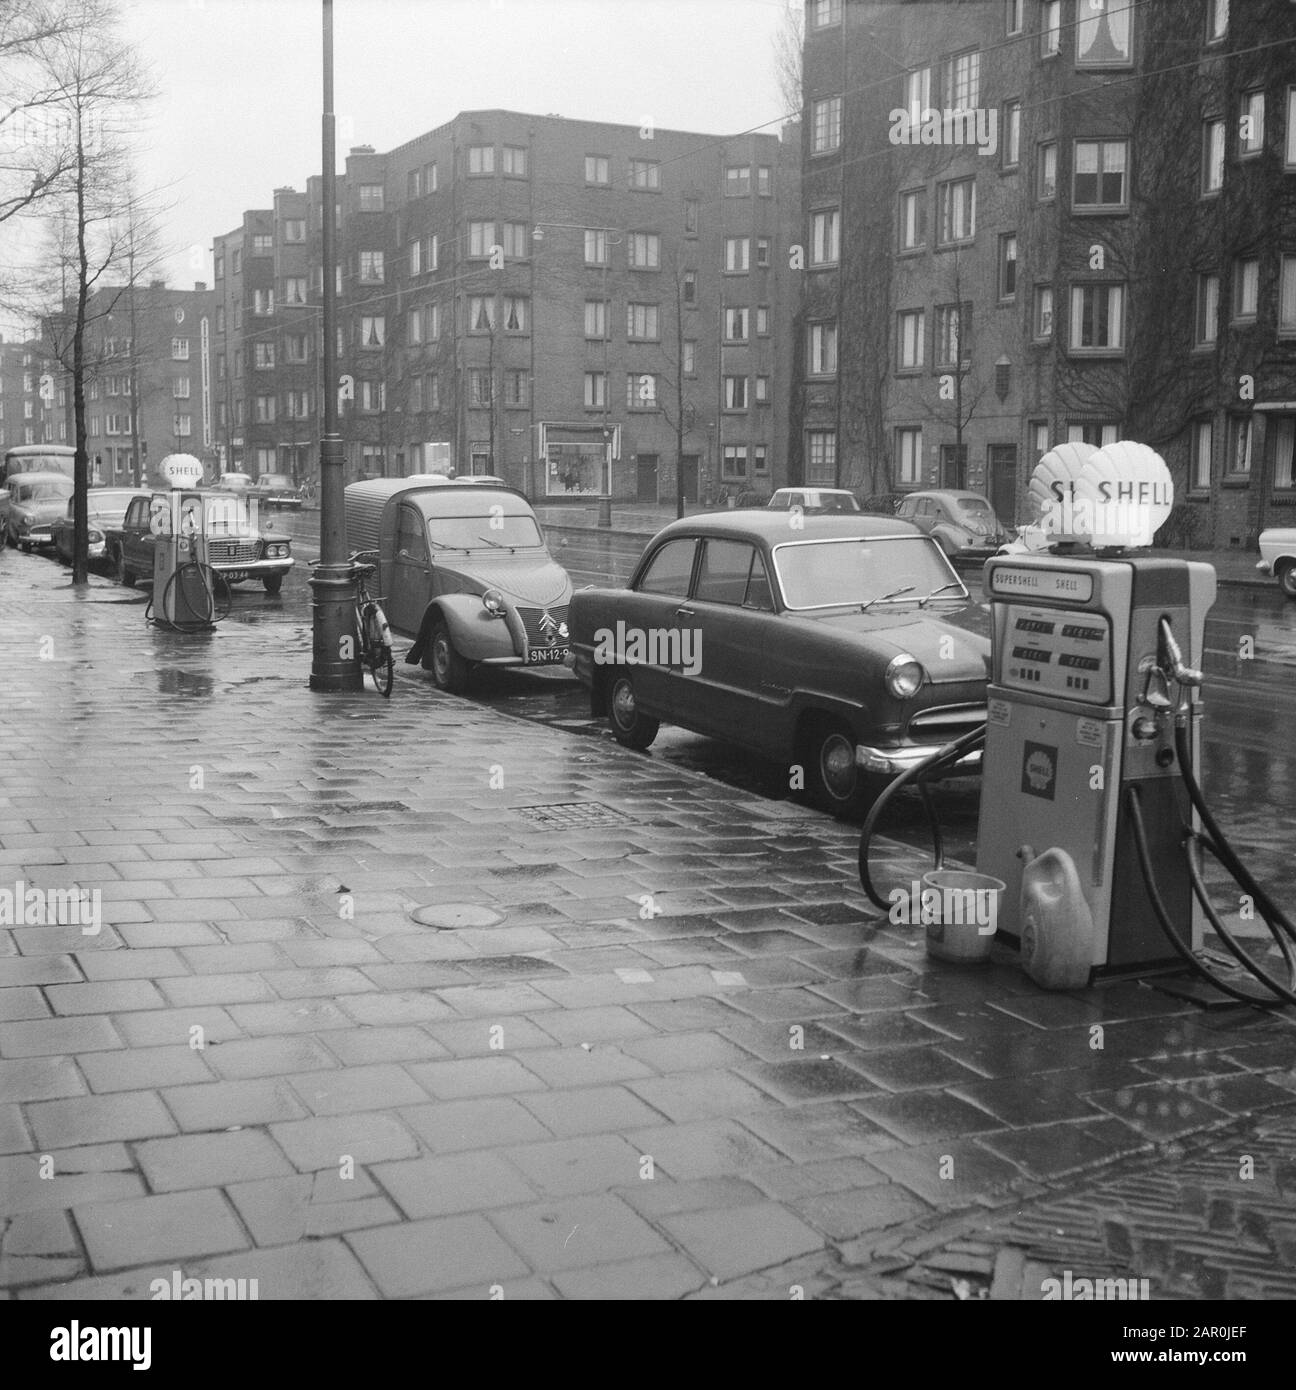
x: 546, y: 635
x: 231, y: 552
x: 943, y: 723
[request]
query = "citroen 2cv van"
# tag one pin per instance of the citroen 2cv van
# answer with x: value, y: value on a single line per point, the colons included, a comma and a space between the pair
x: 464, y: 571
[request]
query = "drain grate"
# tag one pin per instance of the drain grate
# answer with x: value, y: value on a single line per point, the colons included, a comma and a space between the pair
x: 574, y: 815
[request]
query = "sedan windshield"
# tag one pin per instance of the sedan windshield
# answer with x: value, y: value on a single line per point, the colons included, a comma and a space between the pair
x: 43, y: 491
x: 478, y: 533
x: 820, y: 574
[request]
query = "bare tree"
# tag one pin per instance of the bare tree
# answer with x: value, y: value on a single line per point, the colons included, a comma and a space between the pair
x: 98, y: 214
x: 788, y: 42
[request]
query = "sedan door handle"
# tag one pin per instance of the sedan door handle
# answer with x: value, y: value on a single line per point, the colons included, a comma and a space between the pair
x: 684, y: 613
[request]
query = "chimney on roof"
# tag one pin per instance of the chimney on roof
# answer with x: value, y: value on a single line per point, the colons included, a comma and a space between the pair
x: 362, y: 149
x: 200, y: 286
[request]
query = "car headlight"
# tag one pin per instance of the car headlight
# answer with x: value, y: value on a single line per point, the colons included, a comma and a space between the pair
x: 904, y: 675
x: 94, y: 537
x: 493, y: 602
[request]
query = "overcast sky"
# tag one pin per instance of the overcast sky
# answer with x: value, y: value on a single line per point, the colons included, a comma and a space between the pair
x: 238, y: 110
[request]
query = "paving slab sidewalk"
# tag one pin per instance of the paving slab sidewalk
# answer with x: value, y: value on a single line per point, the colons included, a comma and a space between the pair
x: 647, y: 1040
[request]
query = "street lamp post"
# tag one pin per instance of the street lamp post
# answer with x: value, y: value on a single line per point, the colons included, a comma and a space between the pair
x: 335, y: 659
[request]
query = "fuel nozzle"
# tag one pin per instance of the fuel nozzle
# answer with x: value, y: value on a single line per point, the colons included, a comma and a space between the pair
x: 1170, y: 656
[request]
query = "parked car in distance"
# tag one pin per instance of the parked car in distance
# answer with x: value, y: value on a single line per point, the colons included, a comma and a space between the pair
x: 233, y: 482
x: 1031, y: 539
x: 237, y: 548
x: 32, y: 502
x: 105, y: 508
x: 961, y: 523
x: 1278, y: 556
x: 464, y: 571
x: 847, y: 646
x: 276, y: 490
x: 814, y: 500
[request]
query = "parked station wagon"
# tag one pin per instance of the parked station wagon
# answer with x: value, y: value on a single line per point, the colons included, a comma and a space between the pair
x: 464, y: 571
x: 846, y: 645
x: 1278, y: 556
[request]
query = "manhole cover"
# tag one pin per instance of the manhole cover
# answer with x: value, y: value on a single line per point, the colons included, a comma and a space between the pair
x: 451, y: 916
x: 573, y: 815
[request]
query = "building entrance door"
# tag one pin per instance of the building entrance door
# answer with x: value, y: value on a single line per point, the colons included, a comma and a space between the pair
x: 647, y: 474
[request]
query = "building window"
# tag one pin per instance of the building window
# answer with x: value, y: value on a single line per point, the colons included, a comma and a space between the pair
x: 911, y: 334
x: 690, y: 217
x: 735, y: 325
x: 516, y: 241
x: 431, y: 322
x: 481, y: 237
x: 262, y: 244
x: 432, y: 391
x: 481, y: 159
x: 1008, y: 266
x: 690, y: 357
x: 824, y: 232
x: 956, y: 209
x: 734, y: 461
x: 1217, y: 18
x: 762, y: 251
x: 1212, y: 156
x: 1014, y: 16
x: 515, y: 384
x: 414, y: 184
x: 179, y: 350
x: 1011, y: 134
x: 1103, y: 33
x: 962, y: 81
x: 1098, y: 178
x: 1284, y: 433
x: 298, y: 403
x: 295, y: 289
x: 1046, y: 179
x: 825, y: 125
x: 1050, y: 28
x: 762, y: 390
x: 953, y: 346
x: 514, y: 160
x: 644, y: 250
x: 265, y: 410
x: 596, y: 318
x: 760, y: 458
x: 1289, y: 149
x: 371, y: 197
x: 822, y: 349
x: 1239, y: 439
x: 598, y: 169
x: 219, y: 262
x: 917, y: 94
x: 824, y: 12
x: 737, y: 253
x: 1287, y: 297
x: 1202, y: 440
x: 645, y: 174
x: 481, y: 313
x: 641, y: 391
x: 735, y: 393
x: 263, y: 356
x: 913, y: 219
x: 690, y: 287
x: 641, y: 322
x: 236, y: 261
x: 430, y: 178
x: 1246, y: 287
x: 764, y: 181
x: 762, y: 320
x: 296, y: 347
x: 821, y: 457
x: 908, y: 456
x: 262, y: 302
x: 596, y: 246
x: 1043, y: 318
x: 183, y: 426
x: 373, y: 330
x: 1098, y: 318
x: 1251, y: 123
x: 480, y: 394
x: 371, y: 267
x: 595, y: 390
x: 737, y: 182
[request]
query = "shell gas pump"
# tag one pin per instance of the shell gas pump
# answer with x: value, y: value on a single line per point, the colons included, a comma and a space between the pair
x: 1094, y: 674
x: 183, y: 593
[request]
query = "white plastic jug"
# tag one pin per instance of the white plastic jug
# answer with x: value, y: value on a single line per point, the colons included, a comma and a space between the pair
x: 1057, y: 926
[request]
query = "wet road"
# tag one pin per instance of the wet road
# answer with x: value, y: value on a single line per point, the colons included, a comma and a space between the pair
x: 1250, y: 699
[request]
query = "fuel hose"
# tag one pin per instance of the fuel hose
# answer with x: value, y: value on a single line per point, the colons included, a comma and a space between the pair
x: 216, y: 611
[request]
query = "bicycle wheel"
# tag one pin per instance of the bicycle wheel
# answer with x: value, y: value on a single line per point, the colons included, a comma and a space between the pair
x: 376, y: 652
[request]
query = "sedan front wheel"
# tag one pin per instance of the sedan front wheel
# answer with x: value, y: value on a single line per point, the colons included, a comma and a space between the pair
x: 833, y: 779
x: 1287, y: 579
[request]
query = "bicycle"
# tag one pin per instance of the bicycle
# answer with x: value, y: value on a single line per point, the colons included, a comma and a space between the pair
x: 371, y: 625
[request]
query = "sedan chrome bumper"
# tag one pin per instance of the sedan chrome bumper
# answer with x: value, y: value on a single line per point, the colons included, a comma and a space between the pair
x: 893, y: 761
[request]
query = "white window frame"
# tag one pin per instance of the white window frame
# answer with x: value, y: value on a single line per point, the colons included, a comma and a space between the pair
x: 825, y: 125
x: 911, y: 340
x: 908, y: 454
x: 1115, y: 344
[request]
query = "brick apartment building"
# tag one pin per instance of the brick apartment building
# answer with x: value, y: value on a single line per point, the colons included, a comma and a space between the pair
x: 1108, y: 250
x: 527, y: 296
x: 28, y: 414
